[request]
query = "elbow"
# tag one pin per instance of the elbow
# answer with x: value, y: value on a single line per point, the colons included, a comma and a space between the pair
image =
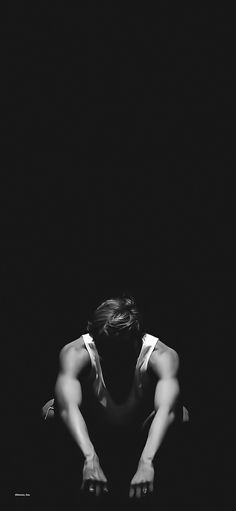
x: 67, y: 408
x: 168, y: 412
x: 171, y: 416
x: 64, y: 412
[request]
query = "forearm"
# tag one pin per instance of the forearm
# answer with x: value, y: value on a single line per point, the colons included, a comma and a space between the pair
x: 158, y: 429
x: 74, y: 421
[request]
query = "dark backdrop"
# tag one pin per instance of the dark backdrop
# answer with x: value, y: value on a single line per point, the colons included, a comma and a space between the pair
x: 116, y: 159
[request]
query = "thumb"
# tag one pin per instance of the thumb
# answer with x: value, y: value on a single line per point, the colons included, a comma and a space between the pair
x: 133, y: 480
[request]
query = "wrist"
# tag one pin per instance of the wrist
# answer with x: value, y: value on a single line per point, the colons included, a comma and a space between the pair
x: 91, y: 456
x: 144, y: 460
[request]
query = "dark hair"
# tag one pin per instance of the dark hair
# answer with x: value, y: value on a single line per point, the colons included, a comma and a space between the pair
x: 116, y: 317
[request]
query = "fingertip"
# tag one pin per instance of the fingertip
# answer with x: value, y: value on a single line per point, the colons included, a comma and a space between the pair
x: 151, y: 488
x: 98, y: 490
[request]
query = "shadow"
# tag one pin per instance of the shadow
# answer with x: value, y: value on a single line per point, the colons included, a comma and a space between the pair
x: 57, y: 475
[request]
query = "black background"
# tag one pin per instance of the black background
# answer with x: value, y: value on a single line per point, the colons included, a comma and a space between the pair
x: 116, y: 176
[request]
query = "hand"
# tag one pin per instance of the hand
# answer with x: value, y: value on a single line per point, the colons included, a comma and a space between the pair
x: 94, y: 480
x: 142, y: 482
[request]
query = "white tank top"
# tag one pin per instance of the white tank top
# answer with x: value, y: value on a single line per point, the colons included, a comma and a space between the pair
x: 148, y: 344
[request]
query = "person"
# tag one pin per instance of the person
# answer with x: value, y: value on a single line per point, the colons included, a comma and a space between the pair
x: 118, y: 395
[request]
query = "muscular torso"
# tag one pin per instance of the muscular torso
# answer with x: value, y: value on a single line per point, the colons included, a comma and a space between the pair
x: 122, y: 404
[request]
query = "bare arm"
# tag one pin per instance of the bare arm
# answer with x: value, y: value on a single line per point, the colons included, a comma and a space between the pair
x: 69, y: 397
x: 165, y: 366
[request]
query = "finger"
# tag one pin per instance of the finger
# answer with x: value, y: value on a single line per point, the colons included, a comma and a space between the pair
x: 98, y: 489
x: 138, y: 491
x: 84, y: 485
x: 105, y: 489
x: 150, y: 487
x: 131, y: 491
x: 144, y: 490
x: 91, y: 488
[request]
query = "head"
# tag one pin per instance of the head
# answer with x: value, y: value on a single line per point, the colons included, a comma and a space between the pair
x: 116, y: 325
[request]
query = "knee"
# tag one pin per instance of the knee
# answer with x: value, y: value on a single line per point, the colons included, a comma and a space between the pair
x: 185, y: 414
x: 47, y: 411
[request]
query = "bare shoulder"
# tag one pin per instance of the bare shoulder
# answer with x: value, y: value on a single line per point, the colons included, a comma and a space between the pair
x: 77, y: 344
x: 74, y: 357
x: 164, y: 361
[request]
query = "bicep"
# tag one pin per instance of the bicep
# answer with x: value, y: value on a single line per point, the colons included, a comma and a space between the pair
x: 166, y: 393
x: 167, y: 388
x: 68, y: 388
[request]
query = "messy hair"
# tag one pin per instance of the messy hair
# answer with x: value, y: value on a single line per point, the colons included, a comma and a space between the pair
x: 116, y: 317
